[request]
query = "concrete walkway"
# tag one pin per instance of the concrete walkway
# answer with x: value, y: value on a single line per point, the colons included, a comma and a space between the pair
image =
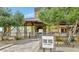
x: 62, y: 49
x: 30, y: 45
x: 6, y: 42
x: 23, y: 46
x: 67, y: 49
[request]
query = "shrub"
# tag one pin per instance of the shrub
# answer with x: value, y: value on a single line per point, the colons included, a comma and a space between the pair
x: 58, y: 39
x: 18, y: 38
x: 72, y: 39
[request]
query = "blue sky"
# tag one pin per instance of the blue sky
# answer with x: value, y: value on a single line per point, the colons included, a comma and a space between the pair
x: 27, y: 11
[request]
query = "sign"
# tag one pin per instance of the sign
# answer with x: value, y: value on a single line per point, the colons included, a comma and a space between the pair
x: 40, y: 30
x: 1, y: 29
x: 47, y: 41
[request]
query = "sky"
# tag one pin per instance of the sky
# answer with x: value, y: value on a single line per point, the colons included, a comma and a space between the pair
x: 27, y: 11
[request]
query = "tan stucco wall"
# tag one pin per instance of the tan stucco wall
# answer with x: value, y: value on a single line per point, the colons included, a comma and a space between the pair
x: 52, y: 29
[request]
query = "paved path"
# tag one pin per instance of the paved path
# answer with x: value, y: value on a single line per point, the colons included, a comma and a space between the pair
x: 23, y: 46
x: 31, y: 45
x: 62, y: 49
x: 2, y: 43
x: 67, y: 49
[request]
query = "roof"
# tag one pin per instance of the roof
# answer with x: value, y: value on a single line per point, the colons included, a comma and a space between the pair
x: 33, y: 19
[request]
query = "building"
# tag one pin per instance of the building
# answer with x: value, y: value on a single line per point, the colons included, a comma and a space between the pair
x: 33, y: 26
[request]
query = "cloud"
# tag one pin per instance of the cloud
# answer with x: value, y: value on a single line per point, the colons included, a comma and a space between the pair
x: 29, y: 15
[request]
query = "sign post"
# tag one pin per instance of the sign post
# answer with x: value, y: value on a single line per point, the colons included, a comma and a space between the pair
x: 48, y: 42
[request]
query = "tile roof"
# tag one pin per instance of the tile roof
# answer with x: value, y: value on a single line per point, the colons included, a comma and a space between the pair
x: 33, y: 19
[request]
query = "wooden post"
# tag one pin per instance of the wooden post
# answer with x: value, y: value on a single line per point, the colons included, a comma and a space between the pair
x: 50, y: 49
x: 29, y: 34
x: 32, y: 29
x: 43, y: 49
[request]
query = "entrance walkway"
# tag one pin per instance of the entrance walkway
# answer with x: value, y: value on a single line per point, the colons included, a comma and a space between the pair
x: 31, y: 45
x: 26, y: 45
x: 62, y: 49
x: 67, y: 49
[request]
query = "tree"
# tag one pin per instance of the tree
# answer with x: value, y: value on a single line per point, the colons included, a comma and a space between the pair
x: 19, y: 18
x: 56, y: 15
x: 5, y: 20
x: 45, y: 15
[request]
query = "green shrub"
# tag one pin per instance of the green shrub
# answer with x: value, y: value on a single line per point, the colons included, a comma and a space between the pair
x: 72, y: 39
x: 58, y: 39
x: 18, y: 38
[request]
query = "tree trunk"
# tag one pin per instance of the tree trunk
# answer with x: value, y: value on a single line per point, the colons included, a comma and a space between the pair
x: 6, y: 32
x: 49, y: 29
x: 75, y: 27
x: 3, y: 34
x: 17, y: 34
x: 73, y: 30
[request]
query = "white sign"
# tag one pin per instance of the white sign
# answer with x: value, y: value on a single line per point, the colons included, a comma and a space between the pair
x: 1, y: 29
x: 40, y: 30
x: 47, y: 41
